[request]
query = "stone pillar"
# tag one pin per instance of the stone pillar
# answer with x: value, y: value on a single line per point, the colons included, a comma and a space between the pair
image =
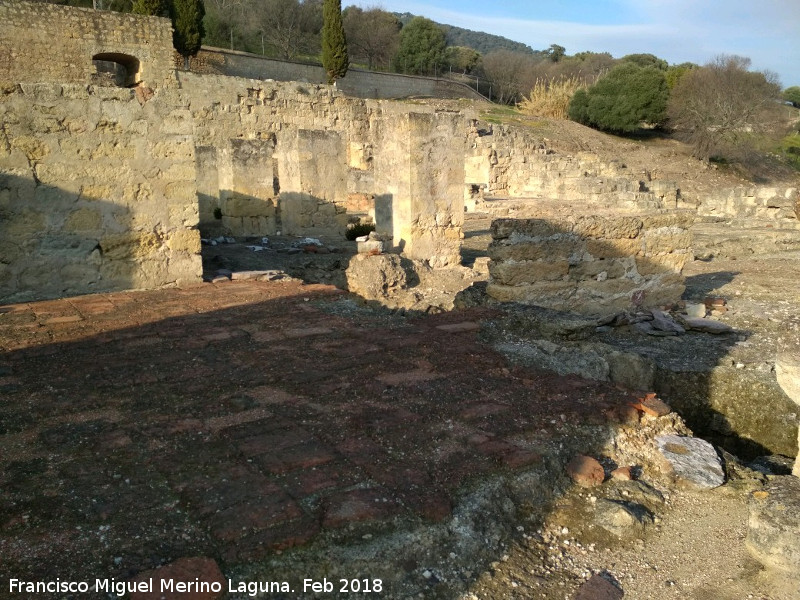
x: 787, y: 368
x: 420, y: 167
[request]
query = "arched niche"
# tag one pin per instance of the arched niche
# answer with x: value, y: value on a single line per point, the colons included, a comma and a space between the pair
x: 115, y: 68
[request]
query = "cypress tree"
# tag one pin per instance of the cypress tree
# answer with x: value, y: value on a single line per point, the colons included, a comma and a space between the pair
x: 187, y: 22
x: 155, y: 8
x: 334, y: 45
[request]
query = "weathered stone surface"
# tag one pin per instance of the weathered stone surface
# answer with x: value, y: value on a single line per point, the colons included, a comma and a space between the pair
x: 694, y: 462
x: 598, y: 588
x: 787, y: 369
x: 374, y: 277
x: 774, y: 524
x: 585, y: 471
x: 707, y: 325
x: 623, y: 519
x: 609, y: 266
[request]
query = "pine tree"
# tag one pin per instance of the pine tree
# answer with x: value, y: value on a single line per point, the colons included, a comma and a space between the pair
x: 187, y: 22
x: 334, y: 45
x: 155, y: 8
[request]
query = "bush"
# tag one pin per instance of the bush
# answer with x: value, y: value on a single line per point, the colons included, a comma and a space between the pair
x: 622, y: 100
x: 357, y: 230
x: 722, y: 109
x: 551, y: 98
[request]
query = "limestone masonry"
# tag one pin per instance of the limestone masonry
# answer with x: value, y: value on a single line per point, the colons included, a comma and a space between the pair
x: 112, y: 163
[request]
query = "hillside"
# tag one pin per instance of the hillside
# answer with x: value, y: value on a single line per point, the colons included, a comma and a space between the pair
x: 477, y: 40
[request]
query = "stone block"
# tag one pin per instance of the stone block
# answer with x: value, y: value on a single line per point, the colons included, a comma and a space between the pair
x: 134, y: 244
x: 504, y: 228
x: 596, y: 268
x: 667, y: 239
x: 515, y: 273
x: 662, y: 263
x: 598, y: 227
x: 614, y: 248
x: 184, y: 240
x: 556, y: 248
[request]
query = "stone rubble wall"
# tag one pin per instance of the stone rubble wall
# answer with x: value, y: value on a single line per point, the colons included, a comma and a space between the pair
x: 46, y: 43
x: 512, y: 163
x: 590, y: 264
x: 358, y: 83
x: 753, y: 205
x: 303, y: 159
x: 97, y: 192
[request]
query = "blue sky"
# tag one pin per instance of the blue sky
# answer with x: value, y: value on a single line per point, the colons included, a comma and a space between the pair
x: 766, y: 31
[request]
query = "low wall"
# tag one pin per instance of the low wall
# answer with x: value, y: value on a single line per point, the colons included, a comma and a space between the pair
x: 358, y: 83
x: 590, y: 264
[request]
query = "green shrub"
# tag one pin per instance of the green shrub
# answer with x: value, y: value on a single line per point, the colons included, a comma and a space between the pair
x: 622, y: 100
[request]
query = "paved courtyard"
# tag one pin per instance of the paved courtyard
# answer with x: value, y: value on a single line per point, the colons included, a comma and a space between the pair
x: 238, y: 420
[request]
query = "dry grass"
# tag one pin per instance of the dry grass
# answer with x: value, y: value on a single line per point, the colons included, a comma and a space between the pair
x: 551, y: 97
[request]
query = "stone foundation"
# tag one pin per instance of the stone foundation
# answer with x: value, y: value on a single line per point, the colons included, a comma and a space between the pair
x: 590, y: 264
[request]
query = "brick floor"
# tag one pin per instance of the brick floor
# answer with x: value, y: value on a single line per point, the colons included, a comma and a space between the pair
x: 240, y: 419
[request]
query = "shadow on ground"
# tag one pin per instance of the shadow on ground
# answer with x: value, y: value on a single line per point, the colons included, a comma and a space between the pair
x: 281, y: 429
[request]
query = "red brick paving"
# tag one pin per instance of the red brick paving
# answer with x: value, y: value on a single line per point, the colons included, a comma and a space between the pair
x: 236, y: 420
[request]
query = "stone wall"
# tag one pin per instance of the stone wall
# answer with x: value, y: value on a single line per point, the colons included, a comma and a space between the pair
x: 753, y: 205
x: 45, y: 43
x: 358, y: 83
x: 325, y: 158
x: 97, y: 192
x: 514, y: 163
x: 590, y: 264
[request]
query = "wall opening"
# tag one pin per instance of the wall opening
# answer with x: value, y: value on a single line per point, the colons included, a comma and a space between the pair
x: 113, y: 68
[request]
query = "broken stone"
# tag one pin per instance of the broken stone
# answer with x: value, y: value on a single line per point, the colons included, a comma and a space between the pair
x: 637, y: 492
x: 622, y: 519
x: 370, y: 246
x: 651, y: 405
x: 773, y: 537
x: 663, y: 322
x: 695, y: 311
x: 598, y: 587
x: 694, y: 462
x: 256, y: 248
x: 308, y: 241
x: 707, y: 326
x: 586, y: 471
x: 622, y: 473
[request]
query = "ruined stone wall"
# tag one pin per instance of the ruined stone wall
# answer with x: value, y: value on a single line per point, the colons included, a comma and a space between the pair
x: 514, y: 163
x: 315, y: 158
x: 96, y: 192
x: 358, y: 83
x: 591, y: 264
x: 42, y: 42
x: 757, y: 205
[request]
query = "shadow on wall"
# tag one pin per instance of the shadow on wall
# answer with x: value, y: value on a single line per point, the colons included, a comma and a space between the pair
x: 599, y: 266
x: 57, y: 242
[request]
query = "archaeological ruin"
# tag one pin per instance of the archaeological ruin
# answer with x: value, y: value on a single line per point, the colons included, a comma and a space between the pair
x: 119, y: 169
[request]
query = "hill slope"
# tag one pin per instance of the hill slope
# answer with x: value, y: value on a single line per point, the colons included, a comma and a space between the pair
x: 477, y: 40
